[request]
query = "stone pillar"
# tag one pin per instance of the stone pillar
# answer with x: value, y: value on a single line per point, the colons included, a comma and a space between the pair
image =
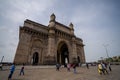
x: 74, y: 50
x: 50, y: 59
x: 72, y: 28
x: 51, y: 45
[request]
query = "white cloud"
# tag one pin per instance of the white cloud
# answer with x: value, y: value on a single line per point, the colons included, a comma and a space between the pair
x: 20, y: 10
x: 13, y: 13
x: 93, y: 21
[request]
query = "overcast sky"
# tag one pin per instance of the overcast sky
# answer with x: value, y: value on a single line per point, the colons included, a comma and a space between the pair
x: 97, y: 22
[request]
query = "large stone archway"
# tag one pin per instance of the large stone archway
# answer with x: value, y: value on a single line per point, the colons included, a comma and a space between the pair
x: 53, y: 43
x: 62, y: 53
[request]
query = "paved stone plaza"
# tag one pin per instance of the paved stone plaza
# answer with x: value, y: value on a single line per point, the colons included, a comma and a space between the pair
x: 50, y: 73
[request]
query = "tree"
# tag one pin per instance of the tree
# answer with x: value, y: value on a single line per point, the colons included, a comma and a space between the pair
x: 109, y: 59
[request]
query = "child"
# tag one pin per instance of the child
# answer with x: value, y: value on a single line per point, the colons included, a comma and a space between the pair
x: 12, y: 69
x: 22, y: 70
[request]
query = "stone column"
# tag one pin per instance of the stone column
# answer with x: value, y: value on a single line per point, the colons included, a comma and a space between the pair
x: 51, y: 48
x: 51, y: 45
x: 51, y: 41
x: 74, y: 50
x: 72, y: 28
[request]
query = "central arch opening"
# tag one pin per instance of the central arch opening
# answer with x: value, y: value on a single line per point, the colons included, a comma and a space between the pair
x: 62, y: 54
x: 35, y: 58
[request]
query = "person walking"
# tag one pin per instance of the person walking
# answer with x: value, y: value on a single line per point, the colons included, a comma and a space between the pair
x: 87, y: 65
x: 109, y: 66
x: 74, y: 68
x: 57, y: 67
x: 1, y: 66
x: 12, y: 69
x: 104, y: 68
x: 100, y: 69
x: 68, y: 66
x: 22, y: 70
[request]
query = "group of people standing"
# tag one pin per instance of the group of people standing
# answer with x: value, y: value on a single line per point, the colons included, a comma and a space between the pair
x: 68, y: 66
x: 102, y: 68
x: 12, y: 69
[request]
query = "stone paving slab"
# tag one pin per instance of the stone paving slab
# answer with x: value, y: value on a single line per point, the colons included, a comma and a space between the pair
x: 50, y: 73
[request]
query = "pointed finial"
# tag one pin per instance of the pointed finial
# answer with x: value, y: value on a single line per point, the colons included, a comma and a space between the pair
x: 52, y: 17
x: 71, y: 25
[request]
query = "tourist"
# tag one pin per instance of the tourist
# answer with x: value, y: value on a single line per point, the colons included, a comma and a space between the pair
x: 22, y: 70
x: 1, y: 66
x: 104, y: 68
x: 100, y: 69
x: 87, y: 65
x: 68, y: 66
x: 109, y: 66
x: 74, y: 68
x: 12, y: 69
x: 57, y: 67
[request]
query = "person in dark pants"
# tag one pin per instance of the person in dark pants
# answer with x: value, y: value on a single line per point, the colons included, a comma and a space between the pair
x: 109, y: 66
x: 1, y: 66
x: 104, y: 68
x: 87, y: 65
x: 74, y: 68
x: 57, y: 67
x: 12, y: 69
x: 22, y: 70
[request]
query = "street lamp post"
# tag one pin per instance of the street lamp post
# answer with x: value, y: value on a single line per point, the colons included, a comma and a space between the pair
x: 106, y: 49
x: 2, y: 59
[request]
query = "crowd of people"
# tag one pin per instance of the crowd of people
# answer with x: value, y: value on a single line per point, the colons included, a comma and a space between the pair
x: 102, y: 68
x: 68, y: 66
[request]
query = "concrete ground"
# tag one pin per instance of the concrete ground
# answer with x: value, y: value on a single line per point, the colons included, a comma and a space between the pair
x: 50, y: 73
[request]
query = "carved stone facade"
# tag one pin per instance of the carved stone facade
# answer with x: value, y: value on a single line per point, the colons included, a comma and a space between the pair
x: 55, y: 43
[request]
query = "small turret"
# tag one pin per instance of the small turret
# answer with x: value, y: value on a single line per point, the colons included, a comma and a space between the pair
x: 52, y: 20
x: 72, y: 28
x: 52, y: 17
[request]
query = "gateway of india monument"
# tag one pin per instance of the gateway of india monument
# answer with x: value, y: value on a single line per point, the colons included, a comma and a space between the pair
x: 55, y: 43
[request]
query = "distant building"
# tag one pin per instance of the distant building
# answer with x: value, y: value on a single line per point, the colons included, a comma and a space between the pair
x: 55, y: 43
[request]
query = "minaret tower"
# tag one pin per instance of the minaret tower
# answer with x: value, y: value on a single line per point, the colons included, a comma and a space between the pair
x: 51, y: 39
x: 74, y: 52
